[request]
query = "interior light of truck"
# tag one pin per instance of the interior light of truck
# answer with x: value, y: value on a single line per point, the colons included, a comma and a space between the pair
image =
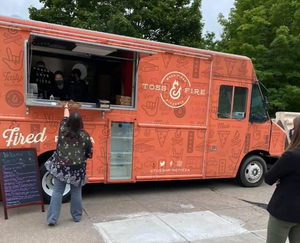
x: 93, y: 50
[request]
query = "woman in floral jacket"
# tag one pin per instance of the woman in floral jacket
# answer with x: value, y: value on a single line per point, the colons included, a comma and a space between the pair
x: 68, y: 164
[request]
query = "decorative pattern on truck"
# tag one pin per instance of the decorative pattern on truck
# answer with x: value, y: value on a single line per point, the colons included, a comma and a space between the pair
x: 13, y: 60
x: 176, y: 92
x: 12, y: 36
x: 12, y: 67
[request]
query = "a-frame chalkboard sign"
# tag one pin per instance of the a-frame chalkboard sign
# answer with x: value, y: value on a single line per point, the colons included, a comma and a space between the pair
x: 20, y: 178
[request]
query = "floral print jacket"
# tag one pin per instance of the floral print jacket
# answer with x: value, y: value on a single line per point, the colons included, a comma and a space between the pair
x: 68, y: 162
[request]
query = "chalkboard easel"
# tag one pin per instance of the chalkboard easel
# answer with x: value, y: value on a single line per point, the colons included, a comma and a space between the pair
x: 20, y: 179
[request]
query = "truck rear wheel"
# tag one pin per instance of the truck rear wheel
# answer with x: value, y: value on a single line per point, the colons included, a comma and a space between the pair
x: 252, y: 171
x: 47, y: 182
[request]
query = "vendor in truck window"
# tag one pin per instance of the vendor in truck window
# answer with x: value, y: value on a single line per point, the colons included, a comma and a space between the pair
x: 60, y: 90
x: 78, y: 89
x: 43, y: 78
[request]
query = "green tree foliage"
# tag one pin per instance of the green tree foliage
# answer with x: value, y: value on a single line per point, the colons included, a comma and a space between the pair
x: 268, y: 31
x: 209, y: 41
x: 171, y: 21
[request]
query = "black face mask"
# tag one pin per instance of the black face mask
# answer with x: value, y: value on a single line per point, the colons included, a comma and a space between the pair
x: 59, y: 82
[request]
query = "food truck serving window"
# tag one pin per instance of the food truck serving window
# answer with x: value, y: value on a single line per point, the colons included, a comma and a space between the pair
x: 229, y: 95
x: 60, y: 69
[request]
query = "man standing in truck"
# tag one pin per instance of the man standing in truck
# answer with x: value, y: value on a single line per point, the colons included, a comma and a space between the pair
x: 78, y: 88
x: 43, y: 78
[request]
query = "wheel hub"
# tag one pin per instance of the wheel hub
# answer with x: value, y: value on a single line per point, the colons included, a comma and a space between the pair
x: 253, y: 172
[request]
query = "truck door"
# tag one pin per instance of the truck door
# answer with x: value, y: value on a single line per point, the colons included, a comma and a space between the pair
x: 227, y: 127
x: 259, y: 129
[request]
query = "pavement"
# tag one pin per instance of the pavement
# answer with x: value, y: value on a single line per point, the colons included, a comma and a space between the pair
x: 198, y: 211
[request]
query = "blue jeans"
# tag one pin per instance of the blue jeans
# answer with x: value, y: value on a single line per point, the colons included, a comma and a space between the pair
x: 56, y: 201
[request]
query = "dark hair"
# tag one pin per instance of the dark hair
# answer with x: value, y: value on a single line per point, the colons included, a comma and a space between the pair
x: 40, y: 63
x: 60, y: 73
x: 74, y: 125
x: 76, y: 71
x: 295, y: 142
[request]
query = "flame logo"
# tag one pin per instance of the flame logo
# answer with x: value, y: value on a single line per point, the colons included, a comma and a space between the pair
x: 174, y: 91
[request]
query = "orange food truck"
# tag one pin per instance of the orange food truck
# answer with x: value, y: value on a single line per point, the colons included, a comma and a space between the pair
x: 154, y: 111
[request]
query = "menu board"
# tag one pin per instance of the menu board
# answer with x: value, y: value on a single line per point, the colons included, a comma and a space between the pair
x: 19, y: 178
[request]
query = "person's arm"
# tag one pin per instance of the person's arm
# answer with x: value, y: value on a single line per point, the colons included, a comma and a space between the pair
x: 281, y: 168
x: 66, y: 110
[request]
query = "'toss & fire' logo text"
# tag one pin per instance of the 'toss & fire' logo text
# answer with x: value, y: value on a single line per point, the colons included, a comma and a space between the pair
x: 175, y: 89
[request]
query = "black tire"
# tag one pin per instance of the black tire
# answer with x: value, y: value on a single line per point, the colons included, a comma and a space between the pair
x: 47, y: 186
x: 252, y: 170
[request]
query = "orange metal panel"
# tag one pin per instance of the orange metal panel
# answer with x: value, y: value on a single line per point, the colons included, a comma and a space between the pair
x: 177, y: 133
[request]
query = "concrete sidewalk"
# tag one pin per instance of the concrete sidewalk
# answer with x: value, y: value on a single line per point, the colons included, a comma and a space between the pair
x: 195, y: 211
x: 195, y: 227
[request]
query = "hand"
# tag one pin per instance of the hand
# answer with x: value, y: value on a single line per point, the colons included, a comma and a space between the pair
x: 67, y: 105
x: 278, y: 182
x: 50, y: 123
x: 151, y: 107
x: 66, y: 110
x: 14, y: 62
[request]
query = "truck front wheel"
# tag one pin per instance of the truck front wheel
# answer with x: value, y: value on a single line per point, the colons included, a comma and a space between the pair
x: 47, y: 182
x: 252, y: 171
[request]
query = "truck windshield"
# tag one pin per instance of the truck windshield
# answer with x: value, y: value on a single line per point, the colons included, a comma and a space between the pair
x: 258, y: 111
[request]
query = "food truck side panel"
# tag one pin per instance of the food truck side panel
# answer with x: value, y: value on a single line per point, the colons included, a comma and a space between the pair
x: 172, y: 109
x: 33, y: 126
x: 239, y: 138
x: 184, y: 143
x: 228, y: 124
x: 36, y: 127
x: 12, y: 72
x: 177, y: 131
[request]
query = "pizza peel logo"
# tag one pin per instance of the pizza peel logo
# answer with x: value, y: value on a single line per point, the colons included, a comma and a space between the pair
x: 177, y: 86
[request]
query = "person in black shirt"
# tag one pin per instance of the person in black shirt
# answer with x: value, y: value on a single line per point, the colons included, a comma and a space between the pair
x: 43, y: 78
x: 60, y: 89
x: 284, y: 206
x: 78, y: 88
